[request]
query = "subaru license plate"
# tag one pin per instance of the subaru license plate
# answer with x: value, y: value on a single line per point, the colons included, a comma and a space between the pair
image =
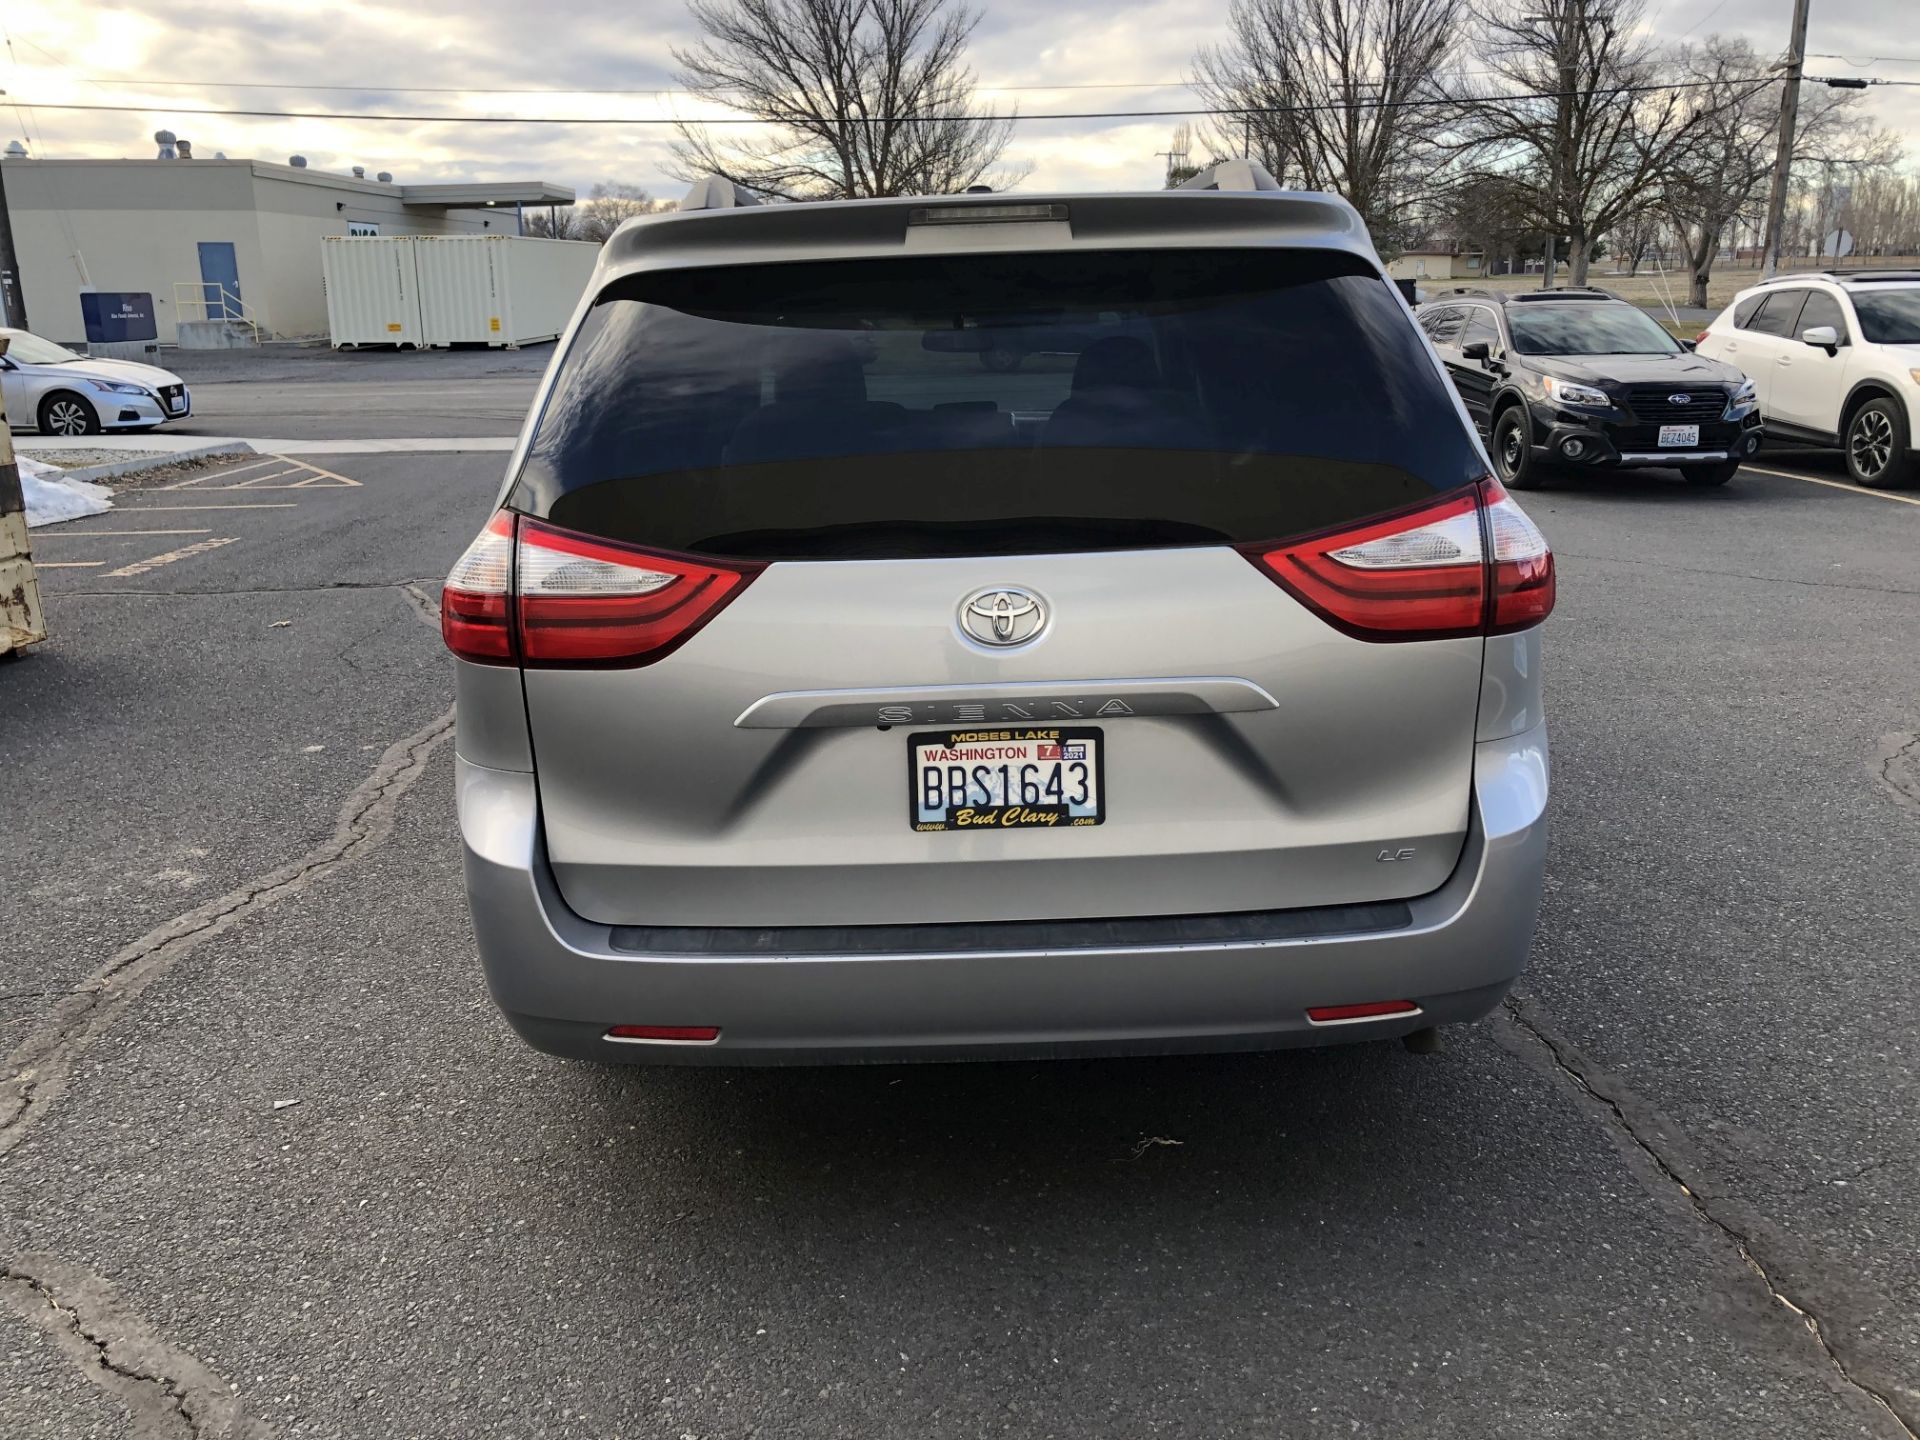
x: 1019, y: 777
x: 1679, y: 435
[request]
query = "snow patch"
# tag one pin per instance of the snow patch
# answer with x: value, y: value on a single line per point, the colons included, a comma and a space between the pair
x: 52, y: 497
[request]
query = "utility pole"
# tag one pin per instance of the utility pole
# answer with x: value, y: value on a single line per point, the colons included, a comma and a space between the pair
x: 1783, y: 155
x: 13, y: 300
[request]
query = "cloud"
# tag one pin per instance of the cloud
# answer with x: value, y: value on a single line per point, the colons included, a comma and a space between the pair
x: 89, y: 51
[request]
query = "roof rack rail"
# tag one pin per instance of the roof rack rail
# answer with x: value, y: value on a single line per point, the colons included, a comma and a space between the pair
x: 1795, y: 277
x: 1232, y: 175
x: 1561, y: 292
x: 1908, y: 274
x: 716, y: 192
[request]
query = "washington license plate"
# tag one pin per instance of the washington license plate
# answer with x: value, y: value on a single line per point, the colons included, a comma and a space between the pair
x: 1679, y: 435
x: 1017, y: 778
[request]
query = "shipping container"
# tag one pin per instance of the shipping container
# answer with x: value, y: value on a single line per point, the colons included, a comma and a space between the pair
x: 373, y: 295
x: 499, y: 289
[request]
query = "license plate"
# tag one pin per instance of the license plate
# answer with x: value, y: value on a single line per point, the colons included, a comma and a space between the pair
x: 1018, y: 778
x: 178, y: 402
x: 1679, y: 434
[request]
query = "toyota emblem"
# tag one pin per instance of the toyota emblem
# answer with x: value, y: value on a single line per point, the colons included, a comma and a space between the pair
x: 1002, y: 616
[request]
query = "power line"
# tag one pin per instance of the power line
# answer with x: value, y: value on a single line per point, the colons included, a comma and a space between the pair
x: 123, y: 84
x: 1189, y: 113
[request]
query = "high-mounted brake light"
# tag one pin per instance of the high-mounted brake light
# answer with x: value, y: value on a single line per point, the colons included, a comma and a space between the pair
x: 544, y: 596
x: 1469, y: 564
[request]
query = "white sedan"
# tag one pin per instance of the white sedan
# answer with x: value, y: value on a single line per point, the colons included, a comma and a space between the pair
x: 54, y: 391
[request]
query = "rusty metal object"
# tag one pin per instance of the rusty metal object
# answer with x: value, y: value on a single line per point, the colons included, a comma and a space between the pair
x: 21, y: 619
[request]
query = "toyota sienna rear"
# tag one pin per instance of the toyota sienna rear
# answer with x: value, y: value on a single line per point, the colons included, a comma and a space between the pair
x: 831, y: 688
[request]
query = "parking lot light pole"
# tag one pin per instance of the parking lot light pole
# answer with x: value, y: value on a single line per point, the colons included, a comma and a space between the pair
x: 1783, y: 153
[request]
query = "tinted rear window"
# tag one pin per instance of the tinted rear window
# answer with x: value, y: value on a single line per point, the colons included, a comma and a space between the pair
x: 1889, y: 317
x: 999, y: 404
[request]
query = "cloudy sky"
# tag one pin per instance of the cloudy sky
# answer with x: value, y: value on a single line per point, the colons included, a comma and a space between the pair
x: 1042, y: 56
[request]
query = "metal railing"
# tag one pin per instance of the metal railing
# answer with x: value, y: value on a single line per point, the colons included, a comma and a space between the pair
x: 210, y: 300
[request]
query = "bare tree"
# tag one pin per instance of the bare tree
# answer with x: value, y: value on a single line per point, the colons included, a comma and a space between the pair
x: 1633, y: 236
x: 607, y: 204
x: 863, y: 97
x: 1573, y: 121
x: 1317, y: 90
x: 1723, y: 175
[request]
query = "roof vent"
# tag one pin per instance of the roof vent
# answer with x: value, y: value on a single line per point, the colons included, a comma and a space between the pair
x: 185, y: 147
x: 298, y: 162
x: 716, y: 192
x: 164, y: 139
x: 359, y: 172
x: 16, y: 151
x: 978, y: 190
x: 385, y: 177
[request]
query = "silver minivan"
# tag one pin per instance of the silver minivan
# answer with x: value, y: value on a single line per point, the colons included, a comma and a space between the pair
x: 998, y: 626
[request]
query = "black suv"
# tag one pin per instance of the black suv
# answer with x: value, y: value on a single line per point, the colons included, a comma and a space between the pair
x: 1580, y: 378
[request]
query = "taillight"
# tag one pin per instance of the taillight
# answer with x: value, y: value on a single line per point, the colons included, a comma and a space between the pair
x: 473, y: 605
x: 1469, y: 564
x: 1702, y: 335
x: 573, y: 599
x: 1522, y: 588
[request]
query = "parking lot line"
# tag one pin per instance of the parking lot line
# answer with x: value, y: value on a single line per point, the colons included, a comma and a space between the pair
x: 89, y: 534
x: 310, y: 476
x: 154, y: 562
x: 1836, y: 485
x: 269, y: 505
x: 222, y: 474
x: 67, y: 564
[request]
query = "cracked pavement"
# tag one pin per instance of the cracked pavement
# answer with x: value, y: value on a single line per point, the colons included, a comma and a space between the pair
x: 1667, y: 1191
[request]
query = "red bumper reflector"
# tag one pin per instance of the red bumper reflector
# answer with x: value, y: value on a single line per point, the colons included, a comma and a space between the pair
x: 1373, y: 1010
x: 663, y: 1032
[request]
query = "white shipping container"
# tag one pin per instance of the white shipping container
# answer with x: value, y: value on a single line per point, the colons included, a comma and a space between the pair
x: 499, y: 289
x: 373, y: 292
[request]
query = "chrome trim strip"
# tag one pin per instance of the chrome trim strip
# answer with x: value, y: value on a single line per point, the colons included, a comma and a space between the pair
x: 1006, y: 704
x: 1669, y: 457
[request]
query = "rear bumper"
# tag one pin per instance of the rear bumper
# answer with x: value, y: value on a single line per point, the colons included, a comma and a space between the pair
x: 561, y: 980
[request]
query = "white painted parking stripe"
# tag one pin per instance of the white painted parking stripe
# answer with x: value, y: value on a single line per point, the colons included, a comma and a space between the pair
x: 67, y: 564
x: 89, y: 534
x: 270, y: 505
x: 1851, y: 489
x: 154, y: 562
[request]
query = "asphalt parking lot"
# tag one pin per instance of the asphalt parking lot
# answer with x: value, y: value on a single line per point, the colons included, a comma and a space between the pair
x: 270, y: 1165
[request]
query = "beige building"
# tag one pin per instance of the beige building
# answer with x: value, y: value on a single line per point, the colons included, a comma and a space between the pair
x: 219, y: 239
x: 1437, y: 265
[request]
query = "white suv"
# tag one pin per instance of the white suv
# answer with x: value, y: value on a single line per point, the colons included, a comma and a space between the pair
x: 1835, y: 358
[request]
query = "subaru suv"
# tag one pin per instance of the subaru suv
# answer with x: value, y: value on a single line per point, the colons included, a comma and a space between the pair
x: 826, y: 695
x: 1836, y: 359
x: 1577, y: 379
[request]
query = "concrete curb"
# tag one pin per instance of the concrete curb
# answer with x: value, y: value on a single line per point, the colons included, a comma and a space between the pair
x: 114, y: 468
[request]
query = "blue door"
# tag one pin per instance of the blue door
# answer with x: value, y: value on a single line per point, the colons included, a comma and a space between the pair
x: 220, y: 279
